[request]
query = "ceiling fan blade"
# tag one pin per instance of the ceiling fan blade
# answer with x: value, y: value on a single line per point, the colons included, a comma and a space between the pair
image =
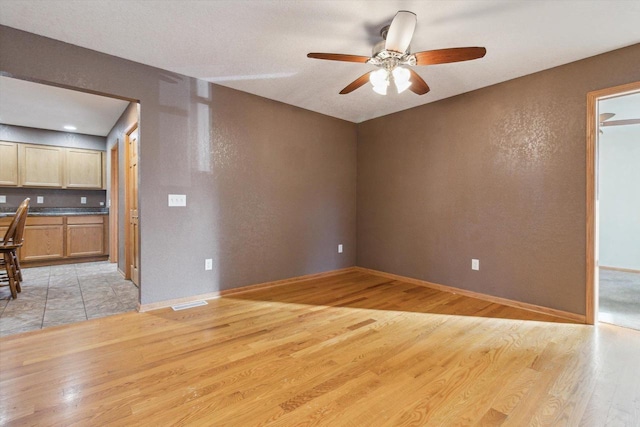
x: 418, y: 85
x: 401, y: 31
x: 338, y: 57
x: 363, y: 79
x: 621, y: 122
x: 445, y: 56
x: 605, y: 116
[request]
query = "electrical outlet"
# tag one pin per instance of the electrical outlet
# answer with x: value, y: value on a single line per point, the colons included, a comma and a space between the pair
x: 177, y: 200
x: 208, y: 264
x: 3, y: 199
x: 39, y: 199
x: 475, y: 264
x: 83, y: 200
x: 101, y: 203
x: 340, y: 248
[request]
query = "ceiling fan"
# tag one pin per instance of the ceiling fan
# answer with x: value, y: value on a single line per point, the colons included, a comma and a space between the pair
x: 392, y: 56
x: 604, y: 120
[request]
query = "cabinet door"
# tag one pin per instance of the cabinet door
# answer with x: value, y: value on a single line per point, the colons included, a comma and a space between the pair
x: 84, y: 169
x: 5, y: 222
x: 41, y: 166
x: 8, y: 163
x: 85, y: 235
x: 42, y: 242
x: 85, y: 240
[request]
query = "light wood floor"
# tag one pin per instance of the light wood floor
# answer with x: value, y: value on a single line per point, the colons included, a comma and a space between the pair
x: 349, y: 350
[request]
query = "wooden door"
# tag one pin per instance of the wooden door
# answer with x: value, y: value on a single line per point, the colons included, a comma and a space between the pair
x: 133, y: 257
x: 113, y: 206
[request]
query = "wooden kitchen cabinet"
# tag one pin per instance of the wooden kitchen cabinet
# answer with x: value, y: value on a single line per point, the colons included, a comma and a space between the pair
x: 43, y: 239
x: 85, y: 236
x: 62, y: 239
x: 41, y: 165
x: 4, y: 225
x: 83, y: 168
x: 33, y: 165
x: 8, y: 164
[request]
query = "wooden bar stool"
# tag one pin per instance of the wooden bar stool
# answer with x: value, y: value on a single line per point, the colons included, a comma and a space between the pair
x: 9, y: 246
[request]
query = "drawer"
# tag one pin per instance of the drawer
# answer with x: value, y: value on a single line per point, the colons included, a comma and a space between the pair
x: 89, y: 219
x: 45, y: 220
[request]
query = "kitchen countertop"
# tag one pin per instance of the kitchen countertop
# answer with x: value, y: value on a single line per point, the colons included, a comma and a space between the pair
x: 8, y: 212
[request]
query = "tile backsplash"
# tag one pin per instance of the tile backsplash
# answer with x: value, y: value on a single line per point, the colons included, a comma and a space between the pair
x: 53, y: 197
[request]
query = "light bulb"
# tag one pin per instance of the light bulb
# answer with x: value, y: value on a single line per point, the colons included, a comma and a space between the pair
x: 401, y: 77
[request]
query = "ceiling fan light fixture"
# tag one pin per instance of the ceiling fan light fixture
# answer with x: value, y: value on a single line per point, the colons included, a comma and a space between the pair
x: 394, y: 58
x: 401, y: 78
x: 380, y: 89
x: 380, y: 81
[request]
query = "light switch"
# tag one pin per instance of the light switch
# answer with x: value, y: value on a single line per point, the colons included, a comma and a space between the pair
x: 83, y: 200
x: 39, y: 199
x: 3, y: 199
x: 340, y: 248
x: 177, y: 200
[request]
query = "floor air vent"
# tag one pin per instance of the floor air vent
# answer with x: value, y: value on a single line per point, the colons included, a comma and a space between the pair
x: 188, y: 305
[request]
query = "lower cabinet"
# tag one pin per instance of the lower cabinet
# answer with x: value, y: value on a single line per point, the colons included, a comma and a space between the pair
x: 85, y: 236
x: 62, y: 238
x: 43, y: 239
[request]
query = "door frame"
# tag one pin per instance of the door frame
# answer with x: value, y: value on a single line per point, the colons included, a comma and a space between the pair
x: 591, y: 309
x: 128, y: 253
x: 114, y: 187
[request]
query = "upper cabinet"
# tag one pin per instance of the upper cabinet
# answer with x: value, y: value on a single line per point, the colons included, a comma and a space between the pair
x: 41, y: 166
x: 8, y: 164
x: 32, y: 165
x: 84, y: 168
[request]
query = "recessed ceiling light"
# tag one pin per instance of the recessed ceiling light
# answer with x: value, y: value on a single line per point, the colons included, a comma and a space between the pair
x: 69, y: 127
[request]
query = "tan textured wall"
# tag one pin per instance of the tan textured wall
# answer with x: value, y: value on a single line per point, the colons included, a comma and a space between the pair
x: 270, y: 188
x: 496, y: 174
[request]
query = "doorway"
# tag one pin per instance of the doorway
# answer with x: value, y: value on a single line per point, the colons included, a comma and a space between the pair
x: 55, y: 291
x: 613, y: 206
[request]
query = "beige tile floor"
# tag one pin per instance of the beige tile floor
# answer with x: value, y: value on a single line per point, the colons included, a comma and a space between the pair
x: 65, y: 294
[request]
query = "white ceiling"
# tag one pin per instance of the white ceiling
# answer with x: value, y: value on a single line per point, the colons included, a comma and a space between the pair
x: 260, y: 46
x: 36, y: 105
